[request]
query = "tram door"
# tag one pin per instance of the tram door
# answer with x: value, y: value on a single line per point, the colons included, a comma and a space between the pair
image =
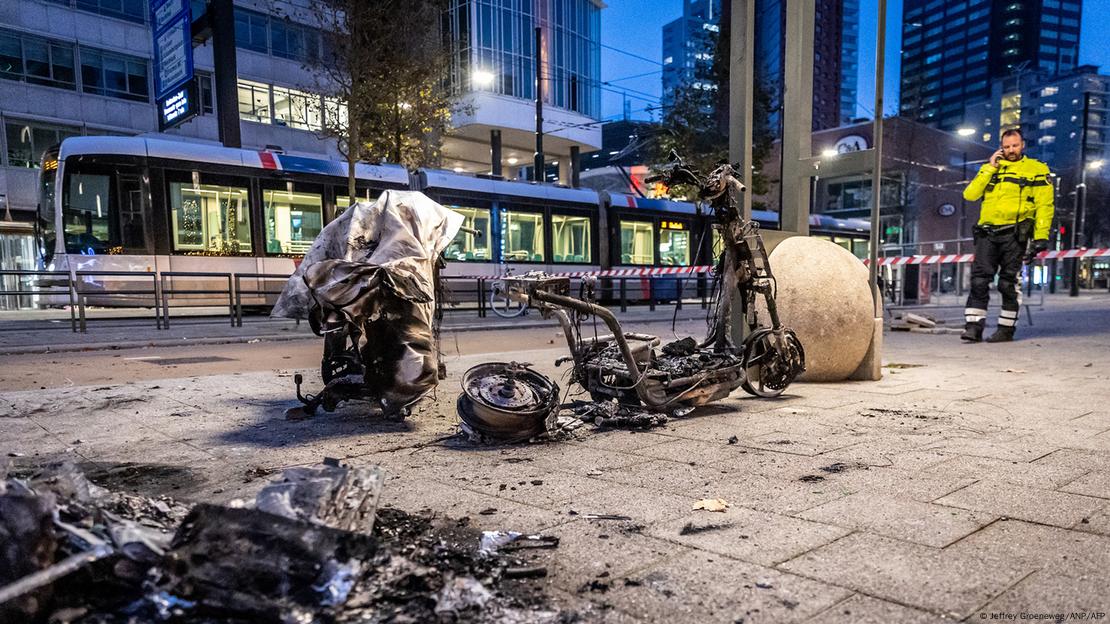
x: 131, y: 212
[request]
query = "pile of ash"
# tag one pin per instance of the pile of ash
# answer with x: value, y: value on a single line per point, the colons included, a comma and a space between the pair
x: 312, y: 547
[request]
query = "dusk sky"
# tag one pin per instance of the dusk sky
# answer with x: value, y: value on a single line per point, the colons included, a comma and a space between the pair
x: 636, y: 27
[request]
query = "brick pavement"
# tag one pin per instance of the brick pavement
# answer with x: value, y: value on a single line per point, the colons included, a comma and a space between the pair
x: 975, y: 482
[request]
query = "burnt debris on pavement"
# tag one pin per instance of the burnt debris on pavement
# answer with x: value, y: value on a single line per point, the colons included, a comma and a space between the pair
x: 312, y: 547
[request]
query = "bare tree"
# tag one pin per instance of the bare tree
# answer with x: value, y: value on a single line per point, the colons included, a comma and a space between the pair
x: 382, y: 73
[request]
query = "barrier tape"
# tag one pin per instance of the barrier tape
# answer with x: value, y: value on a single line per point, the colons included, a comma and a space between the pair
x: 960, y: 258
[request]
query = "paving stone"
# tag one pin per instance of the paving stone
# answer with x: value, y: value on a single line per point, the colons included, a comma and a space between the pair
x: 1045, y: 592
x: 776, y: 495
x: 697, y: 481
x: 415, y: 495
x: 1036, y: 474
x: 1086, y: 460
x: 705, y: 587
x: 1098, y: 522
x: 1095, y: 483
x: 889, y: 453
x: 1031, y: 547
x: 914, y: 485
x: 813, y: 443
x: 860, y: 609
x: 1093, y: 420
x: 1023, y: 449
x: 755, y: 536
x: 1015, y: 501
x: 643, y: 505
x: 900, y: 518
x: 532, y: 485
x: 591, y: 551
x: 910, y: 574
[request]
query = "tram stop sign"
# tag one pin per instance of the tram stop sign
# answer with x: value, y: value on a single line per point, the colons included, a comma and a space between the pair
x: 172, y: 24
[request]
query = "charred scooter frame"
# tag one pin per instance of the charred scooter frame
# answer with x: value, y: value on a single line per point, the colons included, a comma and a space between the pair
x: 685, y: 374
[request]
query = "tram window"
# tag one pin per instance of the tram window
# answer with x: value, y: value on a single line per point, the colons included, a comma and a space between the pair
x: 523, y: 237
x: 843, y: 242
x: 210, y: 219
x: 674, y: 247
x: 860, y: 247
x: 467, y: 246
x: 718, y: 243
x: 293, y: 221
x: 637, y: 242
x: 343, y: 202
x: 570, y: 239
x: 85, y: 215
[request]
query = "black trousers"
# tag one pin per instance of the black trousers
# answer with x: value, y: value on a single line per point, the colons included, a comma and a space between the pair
x: 997, y: 253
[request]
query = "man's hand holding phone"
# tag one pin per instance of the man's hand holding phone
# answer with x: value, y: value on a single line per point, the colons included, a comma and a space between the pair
x: 995, y: 157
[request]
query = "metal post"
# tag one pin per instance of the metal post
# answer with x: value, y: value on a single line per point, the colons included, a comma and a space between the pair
x: 1080, y: 201
x: 741, y: 77
x: 797, y: 115
x: 222, y: 14
x: 537, y: 162
x: 575, y: 152
x: 624, y: 294
x: 495, y: 152
x: 877, y: 172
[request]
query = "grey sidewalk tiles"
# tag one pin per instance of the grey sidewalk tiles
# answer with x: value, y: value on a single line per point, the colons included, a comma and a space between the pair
x: 642, y: 505
x: 1024, y: 448
x: 860, y: 609
x: 1094, y: 483
x: 603, y: 550
x: 1098, y: 522
x: 900, y: 518
x: 746, y: 534
x: 1025, y: 503
x: 934, y: 580
x: 706, y: 587
x: 1083, y: 459
x: 811, y: 444
x: 1094, y: 420
x: 1023, y: 545
x: 914, y: 485
x: 1031, y: 474
x: 1044, y: 592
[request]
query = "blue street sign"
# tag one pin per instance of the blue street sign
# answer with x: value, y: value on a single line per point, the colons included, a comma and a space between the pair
x: 171, y: 23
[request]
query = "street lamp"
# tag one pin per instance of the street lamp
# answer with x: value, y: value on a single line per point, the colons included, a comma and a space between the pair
x: 965, y: 132
x: 829, y: 153
x: 482, y: 78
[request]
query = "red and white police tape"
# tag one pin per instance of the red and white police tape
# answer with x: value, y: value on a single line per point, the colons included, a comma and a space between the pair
x: 958, y: 258
x: 888, y: 261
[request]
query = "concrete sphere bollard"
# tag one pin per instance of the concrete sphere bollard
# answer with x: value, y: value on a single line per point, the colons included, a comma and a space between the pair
x: 823, y: 295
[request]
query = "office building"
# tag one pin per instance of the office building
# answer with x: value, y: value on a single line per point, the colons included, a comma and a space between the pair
x: 686, y: 46
x: 494, y: 75
x: 952, y: 50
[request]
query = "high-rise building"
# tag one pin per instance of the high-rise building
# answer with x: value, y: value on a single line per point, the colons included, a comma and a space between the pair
x: 494, y: 72
x: 1052, y: 112
x: 685, y: 44
x: 849, y: 61
x: 952, y: 50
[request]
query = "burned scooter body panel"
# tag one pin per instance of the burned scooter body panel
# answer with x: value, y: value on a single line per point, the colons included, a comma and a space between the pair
x: 368, y: 285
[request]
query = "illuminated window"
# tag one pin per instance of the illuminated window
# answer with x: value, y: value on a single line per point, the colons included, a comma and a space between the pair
x: 468, y: 246
x: 210, y: 219
x: 1047, y: 91
x: 1047, y: 123
x: 522, y: 237
x: 293, y: 221
x: 570, y: 239
x: 254, y: 101
x: 296, y: 109
x: 637, y: 242
x: 674, y: 245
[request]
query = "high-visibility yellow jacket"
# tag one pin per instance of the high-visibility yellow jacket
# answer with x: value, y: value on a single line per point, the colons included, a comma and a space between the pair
x: 1013, y: 192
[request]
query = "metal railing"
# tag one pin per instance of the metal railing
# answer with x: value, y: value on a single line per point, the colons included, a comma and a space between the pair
x: 38, y: 289
x: 83, y: 294
x: 168, y: 291
x: 264, y: 292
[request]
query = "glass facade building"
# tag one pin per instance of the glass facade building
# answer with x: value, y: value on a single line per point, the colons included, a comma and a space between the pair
x: 849, y: 61
x: 494, y: 50
x: 952, y: 50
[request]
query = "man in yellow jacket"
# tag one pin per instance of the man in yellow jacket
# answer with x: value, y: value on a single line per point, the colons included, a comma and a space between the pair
x: 1014, y: 220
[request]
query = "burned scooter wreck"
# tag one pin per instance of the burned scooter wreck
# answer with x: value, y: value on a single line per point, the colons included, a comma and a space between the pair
x: 369, y: 285
x: 627, y: 367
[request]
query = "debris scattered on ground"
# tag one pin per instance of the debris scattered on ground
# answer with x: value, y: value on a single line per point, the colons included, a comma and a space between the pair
x: 591, y: 516
x: 919, y: 320
x: 497, y: 541
x: 733, y: 440
x: 614, y: 415
x: 71, y: 551
x: 712, y: 504
x: 1013, y: 370
x: 900, y: 365
x: 811, y: 478
x: 693, y: 529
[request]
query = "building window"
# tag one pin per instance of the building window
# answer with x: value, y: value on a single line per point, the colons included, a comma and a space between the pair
x: 293, y: 221
x: 468, y: 246
x: 251, y: 30
x: 36, y: 60
x: 1046, y: 139
x: 570, y: 239
x: 296, y: 109
x: 522, y: 237
x: 207, y: 97
x: 254, y: 101
x: 637, y: 242
x: 1047, y: 123
x: 1047, y: 91
x: 293, y: 41
x: 130, y: 10
x: 210, y: 219
x: 27, y: 141
x: 114, y: 75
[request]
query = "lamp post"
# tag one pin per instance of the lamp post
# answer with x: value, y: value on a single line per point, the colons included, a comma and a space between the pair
x: 1080, y: 196
x: 965, y: 132
x: 1079, y: 236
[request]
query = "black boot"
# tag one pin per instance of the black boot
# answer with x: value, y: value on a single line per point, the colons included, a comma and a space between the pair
x: 973, y: 331
x: 1004, y: 333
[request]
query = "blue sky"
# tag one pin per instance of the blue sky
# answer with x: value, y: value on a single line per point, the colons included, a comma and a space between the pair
x: 636, y: 27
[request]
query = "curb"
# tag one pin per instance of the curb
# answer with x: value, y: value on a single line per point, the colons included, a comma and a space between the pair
x: 178, y: 342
